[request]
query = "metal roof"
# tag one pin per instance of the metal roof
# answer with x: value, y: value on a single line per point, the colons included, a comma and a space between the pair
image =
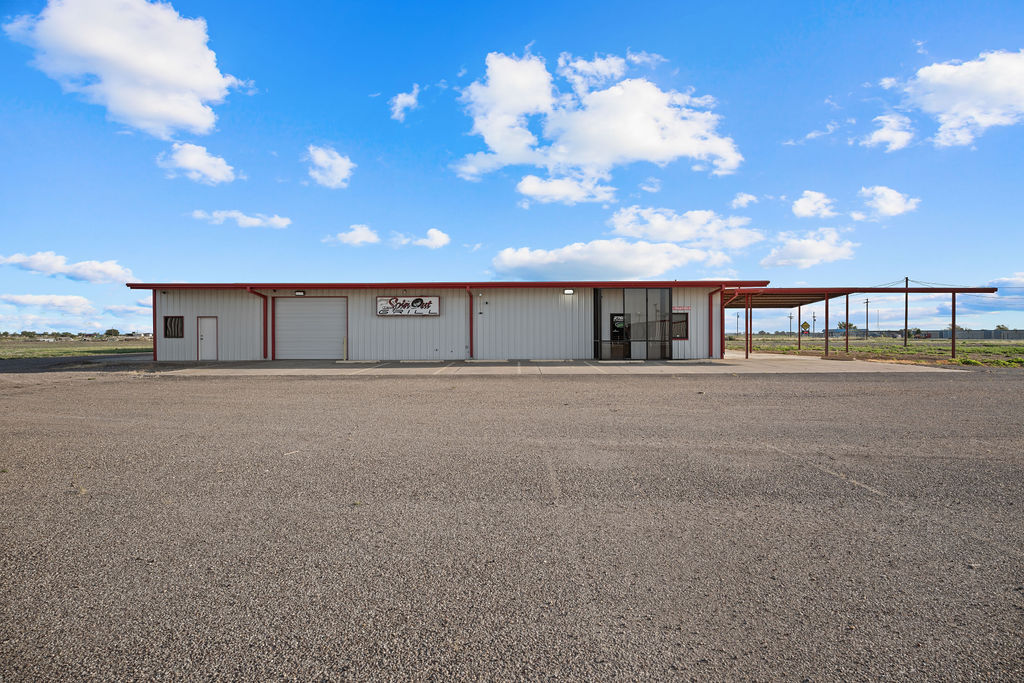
x: 448, y: 285
x: 791, y: 297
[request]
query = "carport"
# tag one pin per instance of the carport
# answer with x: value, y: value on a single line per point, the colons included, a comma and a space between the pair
x: 749, y: 298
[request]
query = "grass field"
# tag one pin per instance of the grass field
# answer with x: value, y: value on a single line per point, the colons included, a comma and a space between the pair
x: 999, y: 353
x: 31, y: 348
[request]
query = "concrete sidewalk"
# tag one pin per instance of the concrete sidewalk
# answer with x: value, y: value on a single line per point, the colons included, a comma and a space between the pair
x: 734, y: 363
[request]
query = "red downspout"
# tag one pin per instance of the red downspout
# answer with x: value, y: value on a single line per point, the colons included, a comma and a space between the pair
x: 154, y: 325
x: 711, y: 321
x: 470, y: 293
x: 264, y: 297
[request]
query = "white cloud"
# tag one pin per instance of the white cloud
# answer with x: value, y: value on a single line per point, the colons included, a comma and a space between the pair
x: 329, y: 168
x: 435, y: 239
x: 651, y: 185
x: 75, y: 305
x: 858, y: 215
x: 894, y: 131
x: 585, y: 75
x: 256, y: 220
x: 650, y: 59
x: 615, y: 258
x: 565, y: 190
x: 146, y: 64
x: 196, y: 163
x: 588, y: 132
x: 813, y: 204
x: 1015, y: 280
x: 51, y: 263
x: 404, y: 101
x: 356, y: 235
x: 122, y: 311
x: 966, y: 98
x: 830, y: 128
x: 888, y: 202
x: 699, y: 228
x: 742, y: 200
x: 817, y: 246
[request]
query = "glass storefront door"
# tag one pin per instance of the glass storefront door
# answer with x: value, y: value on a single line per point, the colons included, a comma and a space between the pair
x: 632, y: 323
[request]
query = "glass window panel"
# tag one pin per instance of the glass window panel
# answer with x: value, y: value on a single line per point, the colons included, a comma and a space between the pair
x: 659, y: 311
x: 611, y: 303
x: 636, y: 314
x: 659, y: 350
x: 680, y: 325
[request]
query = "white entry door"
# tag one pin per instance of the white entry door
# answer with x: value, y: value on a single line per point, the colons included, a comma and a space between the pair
x: 310, y: 327
x: 207, y: 338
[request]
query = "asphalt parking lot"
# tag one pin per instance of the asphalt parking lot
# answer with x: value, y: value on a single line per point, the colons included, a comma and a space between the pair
x: 800, y: 526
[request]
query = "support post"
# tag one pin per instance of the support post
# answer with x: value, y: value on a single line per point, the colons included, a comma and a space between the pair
x: 721, y: 339
x: 954, y: 326
x: 826, y: 323
x: 154, y: 325
x: 746, y: 324
x: 799, y: 330
x: 469, y: 292
x: 906, y: 309
x: 847, y: 323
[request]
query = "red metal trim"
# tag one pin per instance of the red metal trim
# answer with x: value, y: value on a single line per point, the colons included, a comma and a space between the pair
x: 711, y: 321
x: 216, y: 338
x: 273, y: 328
x: 264, y: 297
x: 582, y: 284
x: 153, y: 302
x: 826, y: 324
x: 721, y: 321
x: 469, y: 292
x: 838, y: 291
x: 799, y: 329
x: 847, y: 323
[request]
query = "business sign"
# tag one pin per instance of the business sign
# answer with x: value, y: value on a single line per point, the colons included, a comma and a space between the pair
x: 408, y: 305
x: 680, y: 309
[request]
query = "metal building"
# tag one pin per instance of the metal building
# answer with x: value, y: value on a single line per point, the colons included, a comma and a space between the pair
x: 440, y: 320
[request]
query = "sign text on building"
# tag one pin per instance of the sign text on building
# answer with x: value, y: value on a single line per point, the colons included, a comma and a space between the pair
x: 408, y: 305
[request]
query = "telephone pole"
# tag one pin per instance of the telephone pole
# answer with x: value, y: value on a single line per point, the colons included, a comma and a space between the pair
x: 867, y: 318
x: 791, y: 323
x: 814, y: 321
x: 737, y: 323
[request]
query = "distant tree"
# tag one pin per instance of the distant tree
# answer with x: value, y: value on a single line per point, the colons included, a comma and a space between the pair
x: 112, y: 332
x: 960, y: 328
x: 844, y: 325
x: 1002, y: 327
x: 28, y: 333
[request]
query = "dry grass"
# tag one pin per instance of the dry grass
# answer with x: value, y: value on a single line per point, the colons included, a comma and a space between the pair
x: 992, y: 352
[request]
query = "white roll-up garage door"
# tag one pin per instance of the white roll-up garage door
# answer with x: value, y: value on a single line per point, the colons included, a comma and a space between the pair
x: 312, y: 327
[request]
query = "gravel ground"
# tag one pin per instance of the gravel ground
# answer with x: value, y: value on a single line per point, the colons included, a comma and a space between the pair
x: 593, y: 527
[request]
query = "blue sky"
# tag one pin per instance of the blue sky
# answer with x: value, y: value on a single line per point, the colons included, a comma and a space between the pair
x: 804, y: 143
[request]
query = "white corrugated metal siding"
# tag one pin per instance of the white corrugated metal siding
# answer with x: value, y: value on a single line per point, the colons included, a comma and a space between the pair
x: 540, y: 323
x: 310, y: 327
x: 697, y: 299
x: 239, y: 322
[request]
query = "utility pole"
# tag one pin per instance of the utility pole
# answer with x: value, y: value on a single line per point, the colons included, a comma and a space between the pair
x: 867, y: 318
x: 791, y: 323
x: 814, y: 321
x: 906, y: 309
x: 737, y: 322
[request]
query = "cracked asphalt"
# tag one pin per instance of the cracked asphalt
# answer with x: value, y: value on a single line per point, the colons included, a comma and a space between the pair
x: 813, y: 526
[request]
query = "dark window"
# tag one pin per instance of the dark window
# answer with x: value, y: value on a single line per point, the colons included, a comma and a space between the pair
x: 680, y: 325
x: 174, y: 327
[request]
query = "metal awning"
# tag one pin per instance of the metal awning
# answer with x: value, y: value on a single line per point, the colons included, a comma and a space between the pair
x: 791, y: 297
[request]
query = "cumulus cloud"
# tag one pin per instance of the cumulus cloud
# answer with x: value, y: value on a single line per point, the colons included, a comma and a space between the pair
x: 404, y: 101
x: 830, y: 128
x: 615, y: 258
x: 650, y: 59
x: 145, y: 63
x: 698, y: 228
x: 813, y: 204
x: 256, y: 220
x: 355, y: 236
x: 888, y: 202
x: 75, y: 305
x: 51, y: 263
x: 196, y: 164
x: 1015, y: 280
x: 605, y: 121
x: 127, y: 311
x: 967, y: 98
x: 565, y: 190
x: 329, y: 168
x: 742, y: 200
x: 435, y: 239
x: 817, y: 246
x: 894, y: 131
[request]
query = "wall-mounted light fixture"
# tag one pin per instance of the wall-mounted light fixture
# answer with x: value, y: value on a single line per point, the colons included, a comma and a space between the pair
x: 300, y: 292
x: 567, y: 291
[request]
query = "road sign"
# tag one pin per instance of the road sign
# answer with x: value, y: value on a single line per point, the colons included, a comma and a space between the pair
x: 806, y: 326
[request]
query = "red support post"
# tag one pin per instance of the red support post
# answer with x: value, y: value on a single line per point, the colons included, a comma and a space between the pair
x: 954, y: 325
x: 748, y: 339
x: 154, y: 325
x: 847, y: 323
x: 799, y: 330
x: 721, y: 339
x: 826, y: 323
x: 264, y: 297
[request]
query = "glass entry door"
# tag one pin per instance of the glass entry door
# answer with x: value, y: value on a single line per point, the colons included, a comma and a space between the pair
x: 633, y: 323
